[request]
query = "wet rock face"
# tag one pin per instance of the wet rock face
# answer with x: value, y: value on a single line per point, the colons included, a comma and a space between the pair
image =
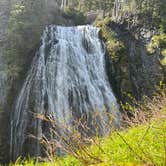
x: 4, y: 82
x: 136, y: 72
x: 4, y: 10
x: 145, y: 70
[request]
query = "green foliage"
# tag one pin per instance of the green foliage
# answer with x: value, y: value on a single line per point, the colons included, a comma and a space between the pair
x: 22, y: 35
x: 158, y: 41
x: 75, y: 15
x: 115, y: 47
x: 15, y: 22
x: 14, y: 38
x: 118, y: 51
x: 105, y: 5
x: 138, y: 145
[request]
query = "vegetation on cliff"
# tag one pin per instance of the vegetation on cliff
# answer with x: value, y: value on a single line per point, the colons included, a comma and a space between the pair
x: 134, y: 32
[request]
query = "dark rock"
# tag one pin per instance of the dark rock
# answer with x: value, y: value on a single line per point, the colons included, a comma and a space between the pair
x: 136, y: 72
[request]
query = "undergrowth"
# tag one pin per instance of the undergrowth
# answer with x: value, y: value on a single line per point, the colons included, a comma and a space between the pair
x: 143, y: 142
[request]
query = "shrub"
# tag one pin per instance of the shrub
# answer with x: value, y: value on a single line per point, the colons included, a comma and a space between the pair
x: 157, y: 41
x: 143, y: 143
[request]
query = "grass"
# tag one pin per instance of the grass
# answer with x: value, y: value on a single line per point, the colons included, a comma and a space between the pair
x: 139, y: 145
x: 135, y: 146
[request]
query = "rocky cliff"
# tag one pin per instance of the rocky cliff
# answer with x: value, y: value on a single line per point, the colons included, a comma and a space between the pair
x: 133, y: 72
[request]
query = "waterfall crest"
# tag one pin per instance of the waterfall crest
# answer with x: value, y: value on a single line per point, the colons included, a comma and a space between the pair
x: 67, y: 79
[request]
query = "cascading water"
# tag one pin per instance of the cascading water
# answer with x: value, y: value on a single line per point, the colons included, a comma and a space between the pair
x: 67, y: 80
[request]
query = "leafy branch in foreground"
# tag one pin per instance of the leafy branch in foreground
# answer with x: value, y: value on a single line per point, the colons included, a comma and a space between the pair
x: 74, y: 140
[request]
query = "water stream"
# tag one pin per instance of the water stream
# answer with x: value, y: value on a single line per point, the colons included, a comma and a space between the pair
x: 67, y: 80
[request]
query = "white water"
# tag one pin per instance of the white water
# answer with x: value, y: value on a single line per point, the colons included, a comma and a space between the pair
x: 67, y: 80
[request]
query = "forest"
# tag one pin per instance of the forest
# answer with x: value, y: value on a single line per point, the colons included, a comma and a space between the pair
x: 82, y: 82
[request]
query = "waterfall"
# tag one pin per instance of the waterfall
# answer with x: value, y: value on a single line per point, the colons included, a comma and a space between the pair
x: 67, y: 80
